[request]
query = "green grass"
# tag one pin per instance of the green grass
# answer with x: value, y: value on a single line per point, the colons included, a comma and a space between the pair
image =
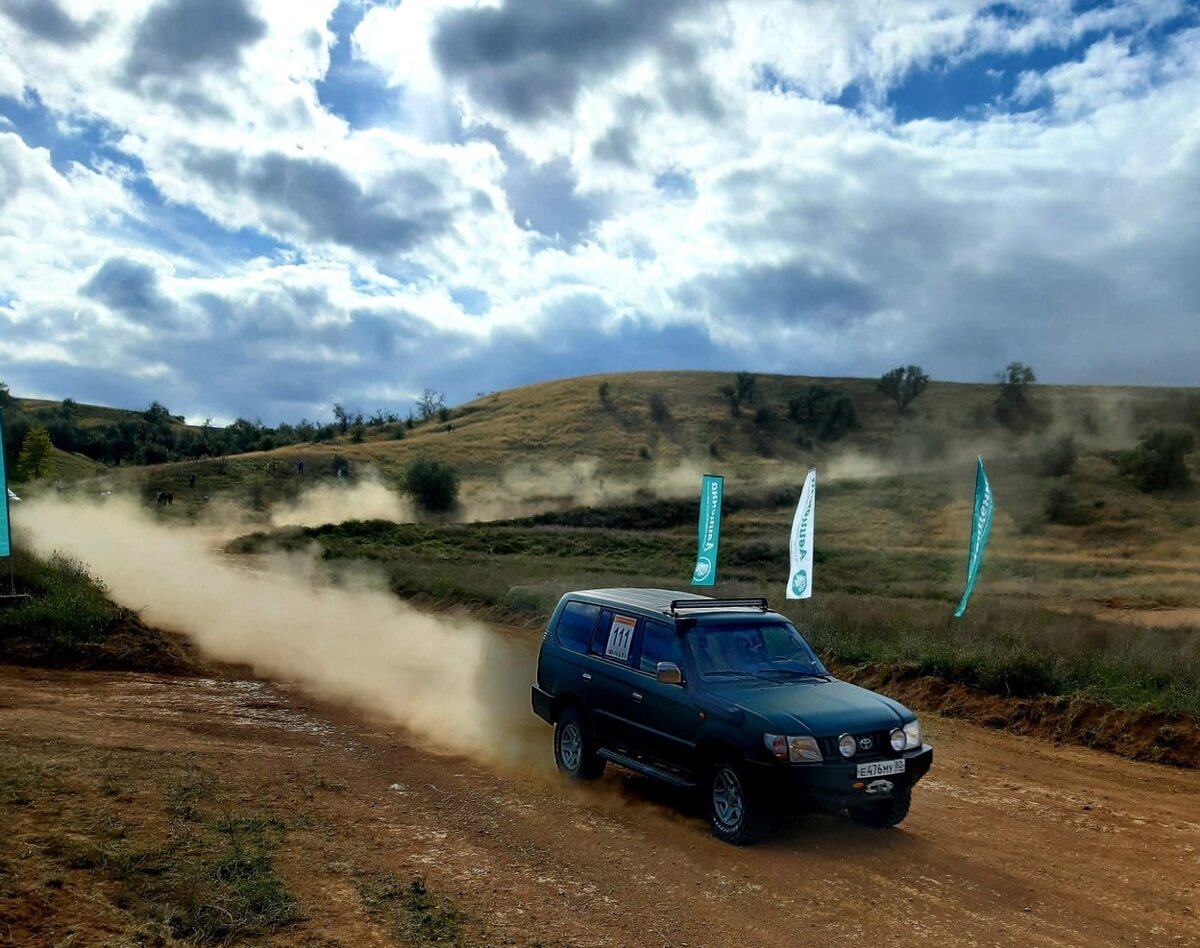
x: 65, y: 605
x: 414, y: 914
x: 213, y: 880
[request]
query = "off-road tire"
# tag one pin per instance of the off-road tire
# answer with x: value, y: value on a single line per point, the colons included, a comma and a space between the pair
x: 739, y: 812
x: 884, y: 814
x: 575, y: 746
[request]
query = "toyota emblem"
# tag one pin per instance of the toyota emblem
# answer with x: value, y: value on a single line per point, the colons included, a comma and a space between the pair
x: 865, y: 743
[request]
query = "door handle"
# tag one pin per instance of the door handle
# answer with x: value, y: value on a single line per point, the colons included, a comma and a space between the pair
x: 637, y: 697
x: 587, y: 676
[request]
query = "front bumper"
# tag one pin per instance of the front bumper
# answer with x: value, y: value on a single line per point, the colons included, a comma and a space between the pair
x: 836, y: 785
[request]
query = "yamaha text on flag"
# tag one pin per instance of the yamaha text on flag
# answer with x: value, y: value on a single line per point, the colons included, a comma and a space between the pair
x: 705, y: 573
x: 801, y: 546
x: 981, y: 526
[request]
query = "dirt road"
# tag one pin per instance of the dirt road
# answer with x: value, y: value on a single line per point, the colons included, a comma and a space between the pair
x: 1011, y: 841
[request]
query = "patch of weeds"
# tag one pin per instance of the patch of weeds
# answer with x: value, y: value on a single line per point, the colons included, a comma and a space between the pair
x: 212, y: 881
x: 194, y: 787
x: 416, y: 915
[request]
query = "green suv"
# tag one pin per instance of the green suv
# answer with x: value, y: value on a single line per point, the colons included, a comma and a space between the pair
x: 724, y: 695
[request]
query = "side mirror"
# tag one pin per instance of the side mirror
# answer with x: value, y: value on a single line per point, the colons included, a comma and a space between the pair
x: 668, y: 673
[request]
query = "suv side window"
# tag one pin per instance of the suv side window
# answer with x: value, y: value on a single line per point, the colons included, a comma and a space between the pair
x: 575, y: 625
x: 659, y: 644
x: 613, y: 638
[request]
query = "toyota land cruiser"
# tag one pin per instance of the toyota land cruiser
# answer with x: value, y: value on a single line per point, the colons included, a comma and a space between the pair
x: 724, y: 695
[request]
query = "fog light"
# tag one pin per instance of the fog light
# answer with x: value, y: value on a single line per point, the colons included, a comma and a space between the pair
x: 897, y: 740
x: 847, y: 745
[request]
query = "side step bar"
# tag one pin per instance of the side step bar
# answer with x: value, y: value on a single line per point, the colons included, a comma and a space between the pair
x: 649, y: 770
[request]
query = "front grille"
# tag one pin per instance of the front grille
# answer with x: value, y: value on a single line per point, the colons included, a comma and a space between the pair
x: 881, y: 747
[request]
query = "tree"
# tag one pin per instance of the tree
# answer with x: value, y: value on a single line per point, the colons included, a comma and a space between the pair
x: 1160, y: 459
x: 744, y: 390
x: 6, y: 399
x: 433, y: 484
x: 37, y: 455
x: 430, y: 403
x: 341, y: 417
x: 903, y: 384
x: 824, y: 412
x: 747, y: 387
x: 1012, y: 400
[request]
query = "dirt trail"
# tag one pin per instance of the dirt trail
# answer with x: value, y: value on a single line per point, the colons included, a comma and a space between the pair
x: 1011, y: 841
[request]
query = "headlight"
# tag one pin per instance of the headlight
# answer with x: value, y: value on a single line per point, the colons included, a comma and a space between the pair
x: 898, y: 739
x: 797, y: 749
x: 912, y: 735
x: 847, y: 745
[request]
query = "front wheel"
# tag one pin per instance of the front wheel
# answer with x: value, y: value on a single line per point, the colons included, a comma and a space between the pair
x: 575, y: 748
x: 884, y: 814
x: 738, y: 813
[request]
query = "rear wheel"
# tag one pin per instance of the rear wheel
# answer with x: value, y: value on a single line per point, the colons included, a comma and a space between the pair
x: 884, y: 814
x: 575, y: 747
x: 737, y: 812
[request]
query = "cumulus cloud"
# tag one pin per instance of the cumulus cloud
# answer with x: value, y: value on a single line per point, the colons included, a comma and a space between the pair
x: 549, y: 188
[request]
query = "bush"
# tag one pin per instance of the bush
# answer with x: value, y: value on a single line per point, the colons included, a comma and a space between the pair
x: 762, y: 416
x: 827, y: 413
x: 602, y: 390
x: 1059, y: 459
x: 433, y: 484
x: 357, y: 432
x: 1160, y: 459
x: 658, y: 408
x: 1062, y: 506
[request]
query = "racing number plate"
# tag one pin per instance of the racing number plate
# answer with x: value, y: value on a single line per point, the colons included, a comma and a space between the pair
x: 881, y: 768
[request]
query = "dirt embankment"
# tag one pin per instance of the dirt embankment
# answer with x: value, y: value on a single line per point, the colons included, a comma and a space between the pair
x: 1161, y: 737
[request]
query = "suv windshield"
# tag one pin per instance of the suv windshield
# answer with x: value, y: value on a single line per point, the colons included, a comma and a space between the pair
x: 753, y: 649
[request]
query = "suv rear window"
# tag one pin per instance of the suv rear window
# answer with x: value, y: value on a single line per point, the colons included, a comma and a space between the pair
x: 575, y: 625
x: 659, y: 644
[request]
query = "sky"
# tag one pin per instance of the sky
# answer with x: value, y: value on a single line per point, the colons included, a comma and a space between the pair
x: 261, y: 207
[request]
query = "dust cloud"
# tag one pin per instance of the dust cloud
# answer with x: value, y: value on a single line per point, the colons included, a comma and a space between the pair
x: 454, y: 684
x: 366, y: 499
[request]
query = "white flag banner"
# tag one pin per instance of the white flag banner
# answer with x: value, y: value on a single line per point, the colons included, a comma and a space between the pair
x: 800, y: 581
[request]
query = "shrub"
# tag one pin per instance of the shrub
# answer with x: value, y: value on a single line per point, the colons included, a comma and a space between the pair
x: 644, y: 453
x: 433, y: 484
x: 763, y: 415
x: 658, y: 408
x: 357, y: 432
x: 1062, y: 505
x: 1059, y: 459
x: 1160, y: 459
x: 603, y: 390
x: 828, y: 413
x: 714, y: 450
x: 903, y: 384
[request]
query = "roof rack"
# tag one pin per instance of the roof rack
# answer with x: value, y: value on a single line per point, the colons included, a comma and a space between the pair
x: 678, y: 605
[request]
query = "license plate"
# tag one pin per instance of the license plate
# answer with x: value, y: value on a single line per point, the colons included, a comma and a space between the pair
x: 881, y: 768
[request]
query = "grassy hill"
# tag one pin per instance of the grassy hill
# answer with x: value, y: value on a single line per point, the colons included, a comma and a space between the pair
x: 895, y: 490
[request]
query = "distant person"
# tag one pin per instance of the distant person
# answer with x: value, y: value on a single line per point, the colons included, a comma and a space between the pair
x: 300, y: 467
x: 191, y: 480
